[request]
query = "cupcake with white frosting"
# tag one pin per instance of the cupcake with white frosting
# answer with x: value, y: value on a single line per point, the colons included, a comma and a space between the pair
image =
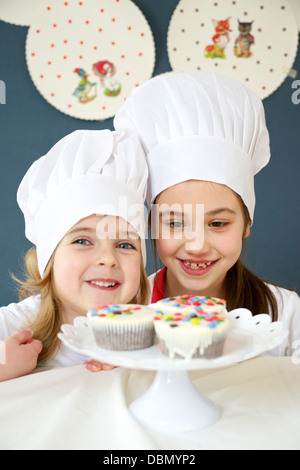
x: 122, y: 327
x: 187, y: 330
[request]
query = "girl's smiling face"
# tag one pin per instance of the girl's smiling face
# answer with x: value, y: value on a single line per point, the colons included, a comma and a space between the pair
x: 92, y: 267
x: 200, y: 238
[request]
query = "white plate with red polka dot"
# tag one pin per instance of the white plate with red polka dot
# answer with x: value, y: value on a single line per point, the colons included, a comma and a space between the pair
x: 252, y: 41
x: 85, y: 57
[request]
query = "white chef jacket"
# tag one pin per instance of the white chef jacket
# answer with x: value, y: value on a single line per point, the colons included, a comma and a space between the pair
x: 17, y: 316
x: 288, y: 313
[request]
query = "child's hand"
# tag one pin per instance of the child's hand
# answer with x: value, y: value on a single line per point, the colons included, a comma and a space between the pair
x: 95, y: 366
x: 21, y: 355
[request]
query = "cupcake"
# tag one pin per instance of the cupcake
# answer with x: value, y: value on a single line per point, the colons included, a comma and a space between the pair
x: 190, y: 331
x: 122, y: 327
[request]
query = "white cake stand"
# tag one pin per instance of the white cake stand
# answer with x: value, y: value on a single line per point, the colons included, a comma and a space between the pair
x: 172, y: 404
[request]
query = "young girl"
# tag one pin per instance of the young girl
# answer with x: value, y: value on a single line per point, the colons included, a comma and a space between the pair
x: 205, y: 137
x: 83, y: 205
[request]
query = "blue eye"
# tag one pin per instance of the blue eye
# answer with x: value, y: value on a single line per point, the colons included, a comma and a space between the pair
x: 125, y: 246
x: 176, y: 224
x: 82, y: 241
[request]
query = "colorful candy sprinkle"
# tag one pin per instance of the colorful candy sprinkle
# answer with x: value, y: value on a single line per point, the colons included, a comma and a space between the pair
x: 210, y: 320
x: 111, y: 311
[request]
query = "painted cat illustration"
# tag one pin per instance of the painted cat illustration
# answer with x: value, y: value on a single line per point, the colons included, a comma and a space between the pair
x: 244, y: 41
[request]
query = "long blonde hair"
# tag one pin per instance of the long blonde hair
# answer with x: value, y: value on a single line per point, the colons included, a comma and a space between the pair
x: 48, y: 321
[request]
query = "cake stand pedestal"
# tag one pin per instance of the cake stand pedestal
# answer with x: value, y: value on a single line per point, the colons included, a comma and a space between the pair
x: 172, y: 403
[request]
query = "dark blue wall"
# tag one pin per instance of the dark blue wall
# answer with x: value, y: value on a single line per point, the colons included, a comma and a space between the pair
x: 29, y: 126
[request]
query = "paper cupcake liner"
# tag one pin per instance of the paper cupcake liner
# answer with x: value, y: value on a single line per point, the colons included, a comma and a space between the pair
x: 202, y: 351
x: 124, y: 337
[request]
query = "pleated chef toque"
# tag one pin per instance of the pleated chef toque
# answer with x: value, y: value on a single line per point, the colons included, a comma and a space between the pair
x: 87, y: 172
x: 198, y: 125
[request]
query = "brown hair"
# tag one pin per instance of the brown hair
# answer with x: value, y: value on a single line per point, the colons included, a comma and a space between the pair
x: 48, y: 321
x: 243, y: 289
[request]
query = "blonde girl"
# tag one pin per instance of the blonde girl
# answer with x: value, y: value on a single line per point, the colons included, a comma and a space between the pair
x: 83, y: 205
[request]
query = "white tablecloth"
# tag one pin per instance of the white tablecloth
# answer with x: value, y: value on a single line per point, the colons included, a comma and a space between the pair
x: 72, y: 408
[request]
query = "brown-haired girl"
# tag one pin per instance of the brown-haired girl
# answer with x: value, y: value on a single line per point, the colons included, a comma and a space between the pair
x: 83, y: 205
x: 205, y: 138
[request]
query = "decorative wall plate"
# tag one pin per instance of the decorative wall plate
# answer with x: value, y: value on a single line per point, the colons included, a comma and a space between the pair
x: 296, y: 7
x: 254, y: 41
x: 19, y: 12
x: 85, y: 57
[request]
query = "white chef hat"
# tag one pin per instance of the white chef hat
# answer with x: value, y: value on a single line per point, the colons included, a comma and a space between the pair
x: 199, y: 125
x: 87, y: 172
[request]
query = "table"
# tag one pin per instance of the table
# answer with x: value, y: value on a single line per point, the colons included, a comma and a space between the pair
x: 73, y: 408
